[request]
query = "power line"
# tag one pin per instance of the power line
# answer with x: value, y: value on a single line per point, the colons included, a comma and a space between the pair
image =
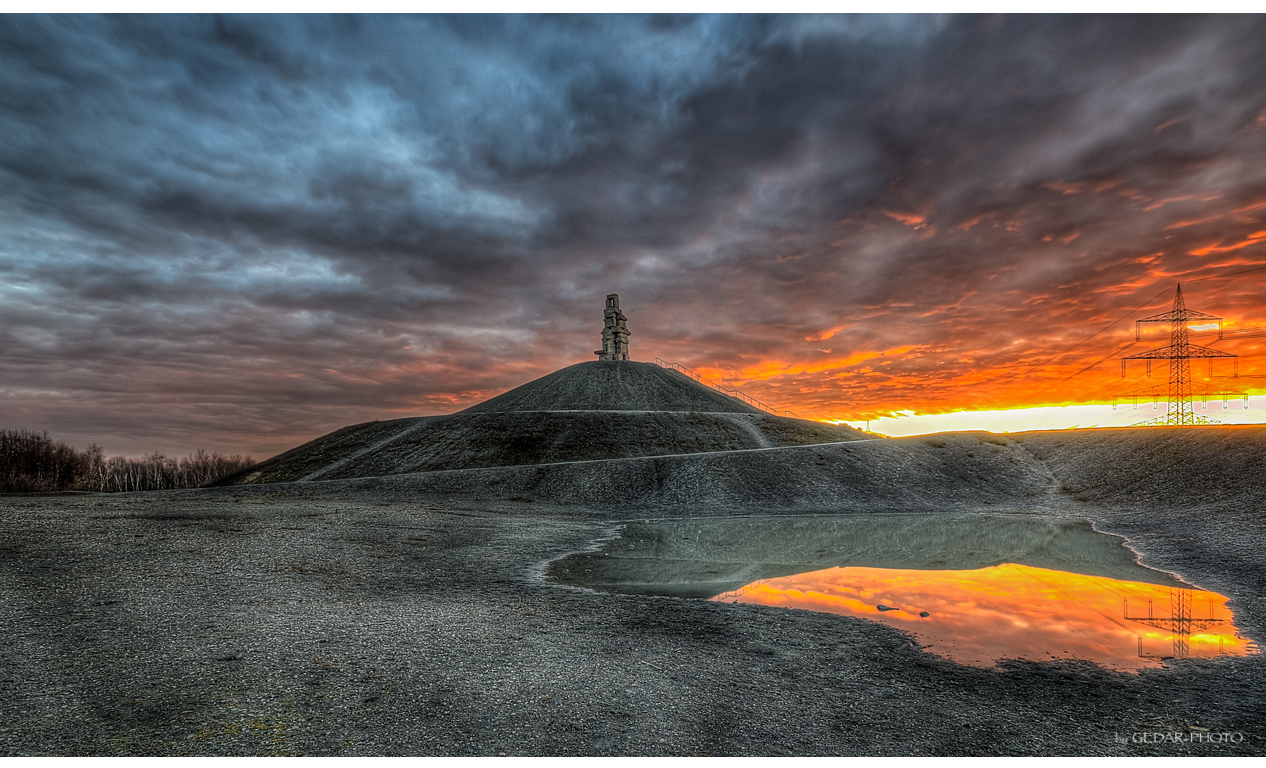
x: 1228, y: 274
x: 1243, y: 333
x: 1127, y: 314
x: 1121, y: 348
x: 1091, y: 336
x: 1232, y: 331
x: 1231, y: 335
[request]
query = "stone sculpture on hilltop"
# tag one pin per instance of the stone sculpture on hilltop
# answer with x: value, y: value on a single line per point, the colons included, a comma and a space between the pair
x: 615, y: 335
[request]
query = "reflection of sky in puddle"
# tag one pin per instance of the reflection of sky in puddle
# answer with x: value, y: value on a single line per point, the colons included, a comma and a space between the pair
x: 980, y: 616
x: 994, y: 586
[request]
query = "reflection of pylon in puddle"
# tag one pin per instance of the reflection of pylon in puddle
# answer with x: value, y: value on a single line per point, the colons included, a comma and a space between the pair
x: 1180, y: 623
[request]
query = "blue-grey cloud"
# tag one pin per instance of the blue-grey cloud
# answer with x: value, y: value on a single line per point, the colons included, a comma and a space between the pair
x: 239, y: 232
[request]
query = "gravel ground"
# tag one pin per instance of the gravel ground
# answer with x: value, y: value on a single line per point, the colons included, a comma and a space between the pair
x: 408, y: 615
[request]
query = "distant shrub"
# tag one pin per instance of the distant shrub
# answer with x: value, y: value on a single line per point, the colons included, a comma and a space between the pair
x: 31, y: 462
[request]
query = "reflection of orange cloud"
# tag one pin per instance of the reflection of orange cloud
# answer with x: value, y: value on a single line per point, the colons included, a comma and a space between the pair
x: 1007, y: 611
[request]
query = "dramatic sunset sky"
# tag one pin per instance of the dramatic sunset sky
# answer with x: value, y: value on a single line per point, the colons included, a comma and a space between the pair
x: 242, y: 233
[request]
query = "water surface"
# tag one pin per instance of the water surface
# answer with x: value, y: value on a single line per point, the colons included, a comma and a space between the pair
x: 974, y: 588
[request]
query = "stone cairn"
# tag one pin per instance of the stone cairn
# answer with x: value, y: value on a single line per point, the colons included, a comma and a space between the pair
x: 615, y: 335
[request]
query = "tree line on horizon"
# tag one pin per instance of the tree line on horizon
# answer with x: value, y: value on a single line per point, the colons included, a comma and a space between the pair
x: 32, y: 462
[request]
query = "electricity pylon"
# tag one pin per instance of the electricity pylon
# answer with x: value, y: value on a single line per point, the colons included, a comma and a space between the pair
x: 1179, y: 353
x: 1180, y: 622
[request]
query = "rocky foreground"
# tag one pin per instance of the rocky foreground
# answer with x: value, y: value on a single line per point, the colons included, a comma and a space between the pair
x: 409, y: 615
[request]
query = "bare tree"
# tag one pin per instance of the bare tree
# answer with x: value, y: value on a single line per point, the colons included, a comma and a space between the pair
x: 31, y: 462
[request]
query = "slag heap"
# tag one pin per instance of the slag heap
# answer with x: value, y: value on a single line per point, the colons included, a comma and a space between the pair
x: 615, y: 334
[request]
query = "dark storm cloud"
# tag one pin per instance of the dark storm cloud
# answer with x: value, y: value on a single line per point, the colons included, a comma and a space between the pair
x: 244, y: 231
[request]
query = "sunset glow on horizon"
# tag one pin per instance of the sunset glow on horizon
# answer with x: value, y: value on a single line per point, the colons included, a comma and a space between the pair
x: 1087, y: 416
x: 1055, y: 393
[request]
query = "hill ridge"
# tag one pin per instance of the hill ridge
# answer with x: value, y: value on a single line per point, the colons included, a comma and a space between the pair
x: 592, y: 411
x: 613, y: 385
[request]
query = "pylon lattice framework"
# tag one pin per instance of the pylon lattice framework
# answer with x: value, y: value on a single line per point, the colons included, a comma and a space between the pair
x: 1179, y: 353
x: 1180, y: 622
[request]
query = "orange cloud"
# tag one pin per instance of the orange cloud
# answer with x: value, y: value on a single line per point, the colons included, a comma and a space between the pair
x: 1166, y: 201
x: 1181, y: 224
x: 824, y: 335
x: 1168, y: 123
x: 1253, y: 239
x: 1257, y: 206
x: 769, y: 369
x: 1067, y: 189
x: 966, y: 225
x: 909, y: 219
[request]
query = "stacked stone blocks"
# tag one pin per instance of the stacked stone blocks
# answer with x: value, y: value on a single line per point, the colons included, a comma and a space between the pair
x: 615, y: 334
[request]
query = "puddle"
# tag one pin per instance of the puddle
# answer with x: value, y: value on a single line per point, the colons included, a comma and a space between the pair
x: 973, y: 588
